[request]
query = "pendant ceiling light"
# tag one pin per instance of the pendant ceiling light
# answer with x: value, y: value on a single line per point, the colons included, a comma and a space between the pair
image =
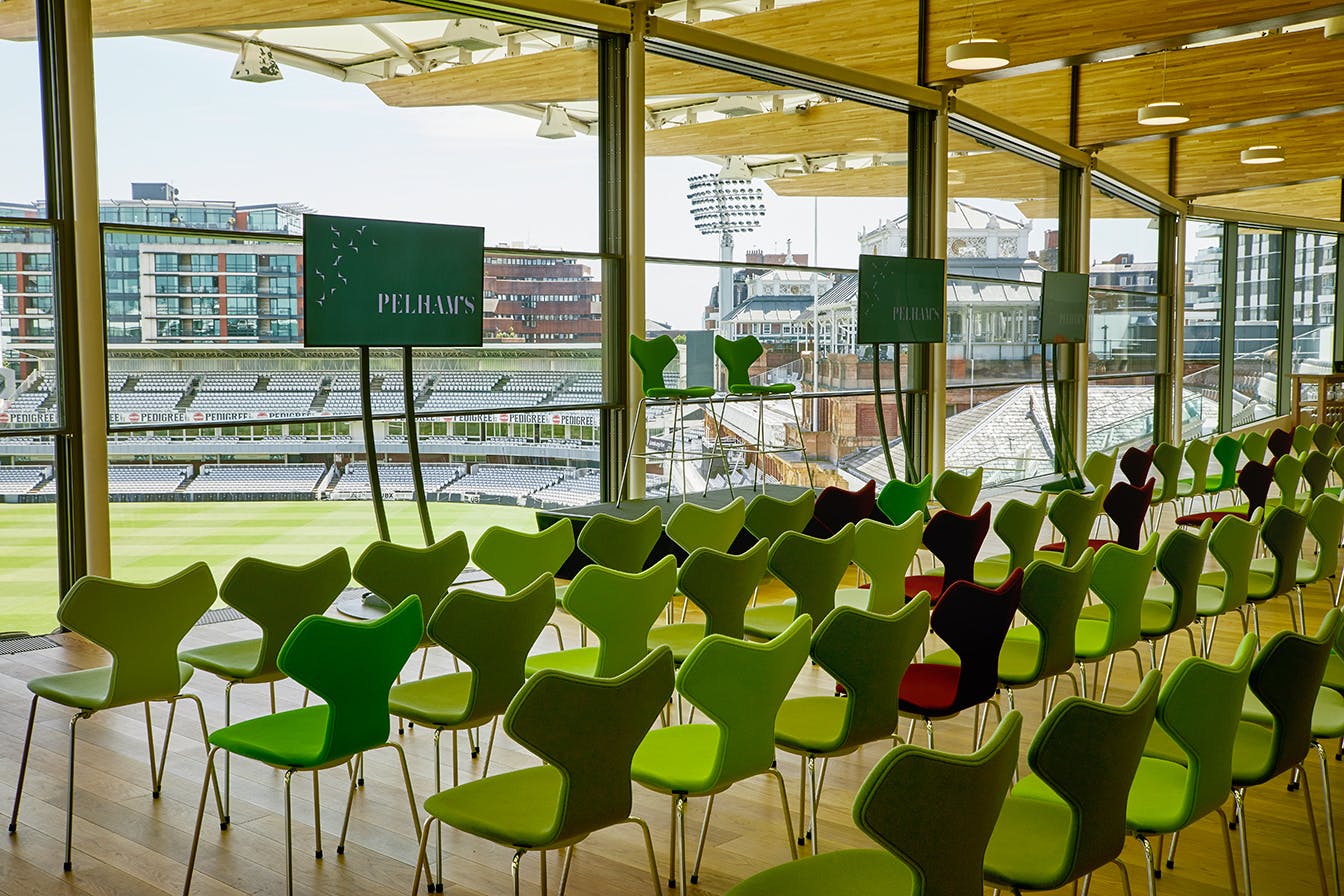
x: 1266, y: 154
x: 1164, y: 112
x: 976, y: 54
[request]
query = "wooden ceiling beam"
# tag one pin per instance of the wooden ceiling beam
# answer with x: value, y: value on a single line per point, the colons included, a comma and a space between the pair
x: 1317, y: 199
x: 1209, y: 164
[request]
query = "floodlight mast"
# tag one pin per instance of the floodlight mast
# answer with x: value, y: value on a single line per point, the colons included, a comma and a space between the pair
x: 725, y: 205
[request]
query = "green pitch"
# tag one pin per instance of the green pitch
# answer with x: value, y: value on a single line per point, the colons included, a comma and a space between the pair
x: 151, y: 540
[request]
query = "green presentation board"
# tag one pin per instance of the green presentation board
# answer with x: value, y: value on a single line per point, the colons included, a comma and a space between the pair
x: 902, y: 299
x: 1063, y: 308
x: 391, y: 283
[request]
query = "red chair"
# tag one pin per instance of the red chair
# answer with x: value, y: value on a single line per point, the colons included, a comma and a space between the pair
x: 973, y: 621
x: 1254, y: 480
x: 1127, y: 506
x: 955, y: 540
x: 1280, y: 443
x: 1136, y: 464
x: 837, y: 508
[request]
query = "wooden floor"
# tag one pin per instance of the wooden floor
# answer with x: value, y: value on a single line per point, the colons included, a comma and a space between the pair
x: 128, y: 843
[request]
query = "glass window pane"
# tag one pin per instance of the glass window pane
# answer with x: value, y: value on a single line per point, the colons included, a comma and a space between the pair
x: 1203, y: 325
x: 29, y: 393
x: 22, y: 175
x: 1315, y: 267
x: 1255, y: 324
x: 28, y: 572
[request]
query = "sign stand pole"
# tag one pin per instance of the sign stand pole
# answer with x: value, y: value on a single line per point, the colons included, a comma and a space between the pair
x: 413, y: 443
x: 370, y: 449
x: 1067, y: 463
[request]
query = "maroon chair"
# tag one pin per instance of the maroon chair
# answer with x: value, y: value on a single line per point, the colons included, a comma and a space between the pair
x: 1254, y: 480
x: 1136, y: 464
x: 837, y: 508
x: 956, y: 541
x: 973, y: 621
x: 1280, y: 443
x: 1127, y: 506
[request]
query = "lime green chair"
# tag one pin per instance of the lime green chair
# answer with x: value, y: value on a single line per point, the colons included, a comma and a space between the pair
x: 616, y: 543
x: 275, y: 597
x: 1226, y: 451
x: 866, y: 653
x: 692, y: 526
x: 1167, y: 462
x: 1315, y: 473
x: 1282, y: 535
x: 721, y: 586
x: 898, y: 499
x: 394, y: 572
x: 738, y: 686
x: 1066, y: 820
x: 1174, y: 605
x: 1302, y: 438
x: 352, y: 719
x: 1197, y: 453
x: 1099, y: 468
x: 1018, y: 526
x: 737, y: 356
x: 620, y: 608
x: 585, y: 731
x: 1288, y: 478
x: 1073, y: 514
x: 884, y: 553
x: 934, y: 853
x: 1223, y: 591
x: 515, y: 559
x: 1186, y: 769
x: 1323, y: 438
x: 769, y: 517
x: 1254, y: 445
x: 141, y: 626
x: 1120, y: 581
x: 812, y: 568
x: 1325, y: 522
x: 958, y: 492
x: 492, y: 635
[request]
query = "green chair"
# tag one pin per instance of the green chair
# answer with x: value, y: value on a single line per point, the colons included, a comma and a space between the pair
x: 1099, y: 468
x: 1073, y: 514
x: 1232, y: 545
x: 353, y: 719
x: 1325, y: 522
x: 884, y: 553
x: 812, y: 569
x: 1337, y: 468
x: 1018, y: 525
x: 1254, y: 445
x: 652, y: 357
x: 1282, y: 535
x: 958, y: 492
x: 898, y: 499
x: 1120, y: 581
x: 1066, y: 820
x: 585, y: 731
x: 394, y: 572
x: 275, y: 597
x: 1288, y: 479
x: 1174, y: 605
x: 1323, y: 438
x: 141, y: 626
x: 769, y: 517
x: 619, y: 543
x: 492, y: 635
x: 737, y: 356
x: 866, y: 653
x: 1197, y: 453
x: 721, y: 586
x: 1226, y: 451
x: 1316, y: 473
x: 738, y: 686
x: 933, y: 853
x: 1302, y: 438
x: 1186, y: 769
x: 1167, y: 462
x: 620, y: 608
x: 515, y: 559
x: 692, y: 526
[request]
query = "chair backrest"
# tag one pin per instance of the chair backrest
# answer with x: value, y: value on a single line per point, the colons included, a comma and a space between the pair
x: 1286, y: 678
x: 884, y: 553
x: 1119, y: 580
x: 1301, y: 438
x: 1337, y: 462
x: 958, y: 492
x: 618, y: 543
x: 956, y: 541
x: 692, y: 526
x: 141, y: 626
x: 1254, y: 481
x: 838, y: 507
x: 1052, y: 599
x: 1325, y: 522
x: 769, y: 517
x: 1282, y: 534
x: 1232, y: 544
x: 1197, y: 453
x: 898, y: 499
x: 276, y: 596
x: 1099, y: 468
x: 812, y: 568
x: 1180, y: 562
x: 1226, y: 451
x: 1255, y: 445
x: 394, y: 572
x: 1279, y: 443
x: 1073, y: 514
x: 1199, y: 708
x: 1288, y: 477
x: 514, y: 559
x: 944, y: 848
x: 739, y: 686
x: 868, y: 654
x: 973, y: 621
x: 1323, y: 438
x: 553, y: 716
x: 1127, y: 505
x: 652, y: 357
x: 1135, y: 464
x: 492, y: 634
x: 1167, y: 462
x: 1087, y: 753
x: 351, y: 666
x: 1018, y: 525
x: 721, y: 585
x: 620, y: 608
x: 1316, y: 472
x: 737, y: 356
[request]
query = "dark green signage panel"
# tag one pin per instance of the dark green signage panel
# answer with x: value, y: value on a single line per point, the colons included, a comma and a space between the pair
x: 391, y: 283
x: 1063, y: 308
x: 902, y: 299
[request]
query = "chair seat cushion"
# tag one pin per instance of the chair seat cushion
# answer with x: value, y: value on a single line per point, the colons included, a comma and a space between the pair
x: 1259, y: 586
x: 769, y: 621
x: 1155, y: 618
x: 1092, y: 636
x: 992, y: 571
x: 579, y: 660
x: 1156, y: 797
x: 1252, y: 754
x: 88, y: 688
x: 688, y: 392
x: 291, y: 739
x: 930, y: 689
x: 1058, y: 547
x: 1019, y: 657
x: 1334, y: 673
x: 853, y: 872
x: 1265, y: 566
x: 1209, y: 597
x: 1195, y: 520
x: 680, y: 759
x: 438, y: 702
x: 1327, y: 716
x: 930, y: 583
x: 853, y: 597
x: 516, y: 808
x: 681, y: 638
x: 1030, y: 846
x: 811, y: 724
x: 771, y: 389
x: 234, y: 660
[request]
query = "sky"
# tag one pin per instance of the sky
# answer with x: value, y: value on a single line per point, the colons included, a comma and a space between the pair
x: 170, y: 112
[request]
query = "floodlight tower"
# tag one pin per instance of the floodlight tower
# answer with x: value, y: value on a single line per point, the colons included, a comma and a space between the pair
x: 726, y: 203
